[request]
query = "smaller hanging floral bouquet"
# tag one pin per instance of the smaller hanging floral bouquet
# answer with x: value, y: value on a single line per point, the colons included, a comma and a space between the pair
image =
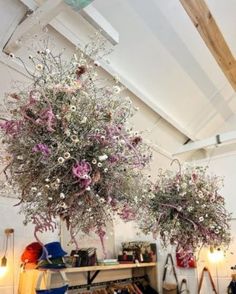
x: 187, y: 210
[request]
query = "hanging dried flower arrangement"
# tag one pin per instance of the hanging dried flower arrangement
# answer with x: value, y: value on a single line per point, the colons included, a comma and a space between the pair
x: 72, y: 153
x: 187, y: 210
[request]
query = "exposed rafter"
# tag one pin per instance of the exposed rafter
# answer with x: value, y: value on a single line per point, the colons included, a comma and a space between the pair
x: 31, y: 25
x: 42, y: 17
x: 225, y: 138
x: 212, y: 36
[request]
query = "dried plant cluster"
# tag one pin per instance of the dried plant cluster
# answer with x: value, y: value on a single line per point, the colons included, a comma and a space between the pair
x: 71, y: 152
x: 187, y: 210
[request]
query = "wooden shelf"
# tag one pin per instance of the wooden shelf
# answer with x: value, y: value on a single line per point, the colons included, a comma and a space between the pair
x: 109, y: 267
x: 87, y: 277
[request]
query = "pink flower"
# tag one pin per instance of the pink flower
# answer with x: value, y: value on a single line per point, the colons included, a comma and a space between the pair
x: 127, y: 214
x: 47, y: 118
x: 43, y: 148
x: 81, y: 171
x: 11, y: 127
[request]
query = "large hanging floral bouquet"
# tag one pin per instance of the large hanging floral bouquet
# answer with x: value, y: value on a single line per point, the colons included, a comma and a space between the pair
x: 71, y: 152
x: 187, y: 210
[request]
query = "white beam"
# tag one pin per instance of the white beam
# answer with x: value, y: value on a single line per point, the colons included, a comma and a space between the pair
x: 92, y: 16
x: 225, y: 138
x: 33, y: 23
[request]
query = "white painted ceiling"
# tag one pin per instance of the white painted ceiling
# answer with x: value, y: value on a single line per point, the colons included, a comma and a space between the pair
x: 161, y: 52
x: 162, y: 58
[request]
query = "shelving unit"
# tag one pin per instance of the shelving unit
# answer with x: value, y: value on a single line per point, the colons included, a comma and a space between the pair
x: 96, y: 274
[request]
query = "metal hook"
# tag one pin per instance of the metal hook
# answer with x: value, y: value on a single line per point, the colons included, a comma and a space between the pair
x: 178, y: 162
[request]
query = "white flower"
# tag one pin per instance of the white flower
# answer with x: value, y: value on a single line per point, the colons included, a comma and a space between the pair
x: 99, y: 164
x: 88, y: 188
x: 73, y: 108
x: 50, y: 198
x: 47, y: 180
x: 11, y: 55
x: 116, y: 78
x: 62, y: 196
x: 33, y: 189
x: 105, y: 170
x: 103, y: 157
x: 96, y: 63
x: 190, y: 208
x: 39, y: 66
x: 60, y: 160
x: 217, y: 231
x: 94, y: 161
x: 116, y: 89
x: 200, y: 194
x: 201, y: 219
x: 74, y: 138
x: 67, y: 132
x: 58, y: 181
x: 67, y: 155
x: 47, y: 51
x: 84, y: 120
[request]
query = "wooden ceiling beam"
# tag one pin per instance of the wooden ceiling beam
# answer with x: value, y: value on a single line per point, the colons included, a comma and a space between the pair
x: 207, y: 27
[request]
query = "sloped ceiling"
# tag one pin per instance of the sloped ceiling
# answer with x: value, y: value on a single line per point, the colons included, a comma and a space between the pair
x: 162, y: 53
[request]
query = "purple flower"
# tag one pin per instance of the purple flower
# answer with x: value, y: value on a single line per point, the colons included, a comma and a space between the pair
x: 127, y: 214
x: 47, y: 118
x: 114, y: 158
x: 81, y: 171
x: 11, y: 127
x: 43, y: 148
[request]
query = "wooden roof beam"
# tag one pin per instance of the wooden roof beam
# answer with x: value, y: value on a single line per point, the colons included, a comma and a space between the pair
x: 207, y: 27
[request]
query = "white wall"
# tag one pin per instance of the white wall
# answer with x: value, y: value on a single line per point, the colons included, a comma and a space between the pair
x: 23, y: 235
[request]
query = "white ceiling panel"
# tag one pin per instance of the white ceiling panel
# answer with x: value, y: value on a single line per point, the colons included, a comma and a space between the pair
x: 162, y: 53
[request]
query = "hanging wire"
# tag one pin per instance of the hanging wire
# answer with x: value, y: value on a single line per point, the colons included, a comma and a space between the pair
x: 6, y: 244
x: 13, y: 262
